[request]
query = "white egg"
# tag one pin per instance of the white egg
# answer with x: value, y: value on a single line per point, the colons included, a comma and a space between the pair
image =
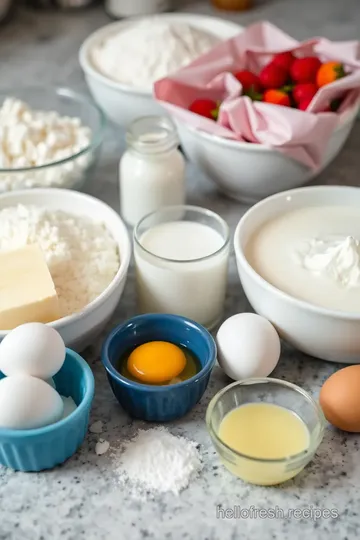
x: 248, y: 346
x: 32, y: 349
x: 28, y: 403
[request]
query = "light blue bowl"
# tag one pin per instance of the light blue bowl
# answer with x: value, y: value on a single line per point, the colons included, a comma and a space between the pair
x: 44, y: 448
x: 150, y: 402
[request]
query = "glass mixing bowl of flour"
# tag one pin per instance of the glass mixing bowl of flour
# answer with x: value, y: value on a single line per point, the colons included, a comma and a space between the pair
x: 51, y: 137
x: 311, y: 238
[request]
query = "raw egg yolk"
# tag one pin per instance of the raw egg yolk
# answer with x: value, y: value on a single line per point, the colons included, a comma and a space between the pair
x: 156, y: 362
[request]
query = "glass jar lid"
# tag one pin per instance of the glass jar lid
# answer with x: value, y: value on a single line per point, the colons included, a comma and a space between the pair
x: 152, y: 135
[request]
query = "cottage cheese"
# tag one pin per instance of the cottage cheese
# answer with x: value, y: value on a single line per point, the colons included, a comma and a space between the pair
x: 81, y: 254
x: 149, y: 50
x: 30, y: 138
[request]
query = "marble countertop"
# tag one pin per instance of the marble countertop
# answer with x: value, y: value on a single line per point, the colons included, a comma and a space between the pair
x: 80, y: 500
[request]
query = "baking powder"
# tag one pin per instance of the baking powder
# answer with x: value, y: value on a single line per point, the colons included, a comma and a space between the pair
x: 155, y: 461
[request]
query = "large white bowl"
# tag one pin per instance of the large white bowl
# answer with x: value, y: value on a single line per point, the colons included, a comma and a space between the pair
x: 80, y: 329
x: 123, y: 103
x: 323, y: 333
x: 250, y: 172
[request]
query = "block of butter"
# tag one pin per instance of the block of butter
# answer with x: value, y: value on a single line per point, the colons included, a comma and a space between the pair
x: 27, y: 291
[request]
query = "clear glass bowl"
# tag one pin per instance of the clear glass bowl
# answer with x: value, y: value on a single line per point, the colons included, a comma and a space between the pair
x: 265, y: 472
x: 73, y: 171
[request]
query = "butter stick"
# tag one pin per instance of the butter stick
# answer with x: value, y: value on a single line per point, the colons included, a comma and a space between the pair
x: 27, y: 291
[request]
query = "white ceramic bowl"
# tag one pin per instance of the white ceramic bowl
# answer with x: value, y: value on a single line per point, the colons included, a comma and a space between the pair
x: 323, y: 333
x: 80, y: 329
x: 250, y: 172
x: 123, y: 103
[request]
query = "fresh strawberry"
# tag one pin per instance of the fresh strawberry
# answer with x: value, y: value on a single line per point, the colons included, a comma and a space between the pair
x: 329, y: 72
x: 273, y: 76
x: 284, y: 60
x: 304, y: 70
x: 277, y: 97
x: 304, y: 91
x: 205, y: 107
x: 304, y: 104
x: 249, y: 81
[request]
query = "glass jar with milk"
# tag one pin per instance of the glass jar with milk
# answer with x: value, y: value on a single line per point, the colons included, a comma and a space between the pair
x: 152, y: 170
x: 181, y: 258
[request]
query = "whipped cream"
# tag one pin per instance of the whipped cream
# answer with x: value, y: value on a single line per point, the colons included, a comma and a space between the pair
x: 335, y: 257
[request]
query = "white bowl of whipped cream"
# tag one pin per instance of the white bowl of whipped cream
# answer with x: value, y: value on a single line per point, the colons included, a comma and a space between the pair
x: 298, y: 258
x: 122, y: 60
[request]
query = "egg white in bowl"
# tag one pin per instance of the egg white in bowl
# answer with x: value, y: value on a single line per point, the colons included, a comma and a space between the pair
x: 328, y: 334
x: 79, y: 329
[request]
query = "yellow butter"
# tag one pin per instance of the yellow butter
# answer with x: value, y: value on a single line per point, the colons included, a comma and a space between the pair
x: 27, y: 291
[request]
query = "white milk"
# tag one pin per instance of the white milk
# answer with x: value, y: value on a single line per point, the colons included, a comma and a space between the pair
x: 152, y: 170
x: 181, y: 268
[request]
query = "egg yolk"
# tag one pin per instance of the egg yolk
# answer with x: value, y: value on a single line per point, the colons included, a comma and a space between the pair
x: 156, y: 362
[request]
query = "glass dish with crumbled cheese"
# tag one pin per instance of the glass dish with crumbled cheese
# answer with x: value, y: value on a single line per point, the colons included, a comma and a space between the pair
x: 49, y: 137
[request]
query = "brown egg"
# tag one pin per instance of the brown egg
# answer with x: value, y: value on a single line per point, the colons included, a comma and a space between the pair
x: 340, y: 399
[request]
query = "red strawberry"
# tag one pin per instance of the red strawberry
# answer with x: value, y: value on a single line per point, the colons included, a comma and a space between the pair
x: 277, y: 97
x: 249, y: 81
x: 304, y: 104
x: 284, y: 60
x: 304, y: 91
x: 304, y: 70
x: 205, y: 107
x: 273, y: 76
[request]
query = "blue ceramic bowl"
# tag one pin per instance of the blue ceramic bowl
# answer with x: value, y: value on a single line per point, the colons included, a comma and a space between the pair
x: 44, y: 448
x: 158, y: 403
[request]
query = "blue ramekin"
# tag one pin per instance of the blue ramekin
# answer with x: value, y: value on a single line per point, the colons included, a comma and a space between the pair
x: 44, y: 448
x: 158, y: 403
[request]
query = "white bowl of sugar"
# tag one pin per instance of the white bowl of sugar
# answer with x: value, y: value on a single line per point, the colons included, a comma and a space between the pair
x: 122, y: 60
x: 86, y: 246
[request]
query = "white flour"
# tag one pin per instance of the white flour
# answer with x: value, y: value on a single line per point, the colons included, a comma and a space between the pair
x: 156, y: 461
x: 81, y: 254
x: 150, y: 50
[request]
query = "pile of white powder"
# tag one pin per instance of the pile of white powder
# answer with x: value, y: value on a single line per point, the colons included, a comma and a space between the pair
x: 156, y: 461
x: 32, y: 138
x: 150, y: 50
x: 81, y: 254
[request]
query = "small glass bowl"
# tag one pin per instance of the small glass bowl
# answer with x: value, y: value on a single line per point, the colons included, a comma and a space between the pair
x: 71, y: 172
x: 265, y: 472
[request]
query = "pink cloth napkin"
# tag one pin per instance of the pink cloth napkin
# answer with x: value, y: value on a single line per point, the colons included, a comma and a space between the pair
x: 301, y: 135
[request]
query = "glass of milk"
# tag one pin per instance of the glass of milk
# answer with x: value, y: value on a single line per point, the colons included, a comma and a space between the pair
x: 181, y: 258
